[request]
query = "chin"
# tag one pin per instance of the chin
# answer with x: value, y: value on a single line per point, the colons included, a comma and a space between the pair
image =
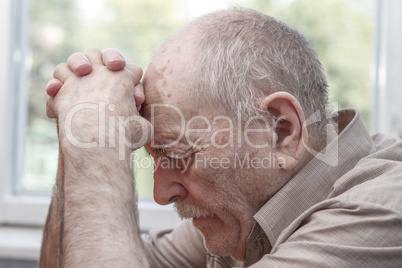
x: 221, y: 239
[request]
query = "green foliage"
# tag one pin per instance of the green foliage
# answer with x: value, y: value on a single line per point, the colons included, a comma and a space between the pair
x: 60, y: 28
x: 342, y: 35
x: 135, y: 27
x: 52, y: 29
x: 341, y: 32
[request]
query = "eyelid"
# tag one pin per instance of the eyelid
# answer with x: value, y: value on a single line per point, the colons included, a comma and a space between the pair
x: 158, y: 151
x: 164, y: 152
x: 171, y: 154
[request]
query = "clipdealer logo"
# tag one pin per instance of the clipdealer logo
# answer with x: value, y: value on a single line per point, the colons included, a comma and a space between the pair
x: 113, y: 132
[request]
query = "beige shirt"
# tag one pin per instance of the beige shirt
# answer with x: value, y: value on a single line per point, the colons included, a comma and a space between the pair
x: 343, y: 209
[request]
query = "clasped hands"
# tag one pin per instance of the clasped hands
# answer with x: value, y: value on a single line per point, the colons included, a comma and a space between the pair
x: 89, y: 90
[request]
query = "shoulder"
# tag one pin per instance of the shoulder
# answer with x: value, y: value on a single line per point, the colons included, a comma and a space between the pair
x: 359, y: 223
x: 376, y: 179
x: 341, y: 232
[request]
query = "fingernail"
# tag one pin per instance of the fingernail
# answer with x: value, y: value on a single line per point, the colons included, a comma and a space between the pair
x: 51, y: 82
x: 116, y: 57
x: 82, y: 63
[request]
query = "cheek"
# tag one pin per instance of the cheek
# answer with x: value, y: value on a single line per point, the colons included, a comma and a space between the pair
x: 204, y: 184
x: 213, y: 182
x: 222, y: 189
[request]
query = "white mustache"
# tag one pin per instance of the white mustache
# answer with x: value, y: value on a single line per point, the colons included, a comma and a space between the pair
x: 187, y: 210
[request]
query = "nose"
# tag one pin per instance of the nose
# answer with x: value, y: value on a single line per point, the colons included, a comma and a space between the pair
x: 167, y: 186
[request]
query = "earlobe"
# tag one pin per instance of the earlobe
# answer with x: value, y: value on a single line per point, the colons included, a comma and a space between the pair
x: 288, y: 127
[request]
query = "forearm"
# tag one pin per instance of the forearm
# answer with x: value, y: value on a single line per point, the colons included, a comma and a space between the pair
x: 92, y: 218
x: 92, y: 221
x: 50, y: 251
x: 100, y: 212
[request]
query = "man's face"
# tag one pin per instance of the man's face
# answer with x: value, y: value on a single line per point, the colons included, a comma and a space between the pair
x: 200, y: 165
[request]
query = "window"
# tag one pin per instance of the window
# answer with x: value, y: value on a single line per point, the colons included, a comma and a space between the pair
x: 56, y: 32
x: 44, y: 33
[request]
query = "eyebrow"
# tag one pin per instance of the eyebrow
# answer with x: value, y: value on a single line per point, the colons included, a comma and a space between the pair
x: 159, y: 147
x: 158, y: 150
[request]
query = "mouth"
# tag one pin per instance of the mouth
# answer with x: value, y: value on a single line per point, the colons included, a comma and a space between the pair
x: 191, y: 211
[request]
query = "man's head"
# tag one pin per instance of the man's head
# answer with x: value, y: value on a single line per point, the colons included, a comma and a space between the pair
x: 227, y: 97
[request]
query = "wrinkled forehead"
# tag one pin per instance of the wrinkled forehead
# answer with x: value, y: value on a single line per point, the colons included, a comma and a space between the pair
x: 169, y: 92
x: 168, y: 82
x: 154, y: 84
x: 169, y: 78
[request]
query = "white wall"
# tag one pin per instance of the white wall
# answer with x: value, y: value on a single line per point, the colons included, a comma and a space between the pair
x: 5, y: 33
x: 387, y: 97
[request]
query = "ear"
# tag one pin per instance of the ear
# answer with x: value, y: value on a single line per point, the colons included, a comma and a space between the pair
x: 290, y: 136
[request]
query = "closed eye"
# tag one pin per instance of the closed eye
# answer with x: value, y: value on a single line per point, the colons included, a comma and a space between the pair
x: 162, y: 152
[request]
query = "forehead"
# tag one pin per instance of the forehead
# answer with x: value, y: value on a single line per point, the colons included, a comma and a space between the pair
x: 170, y: 74
x: 167, y: 82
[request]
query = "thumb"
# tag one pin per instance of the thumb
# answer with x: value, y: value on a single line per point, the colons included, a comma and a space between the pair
x: 137, y: 130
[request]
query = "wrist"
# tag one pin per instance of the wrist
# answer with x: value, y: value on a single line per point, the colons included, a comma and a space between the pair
x: 93, y: 137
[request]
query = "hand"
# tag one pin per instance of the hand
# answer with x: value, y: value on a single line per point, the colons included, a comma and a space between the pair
x: 79, y: 64
x: 82, y: 102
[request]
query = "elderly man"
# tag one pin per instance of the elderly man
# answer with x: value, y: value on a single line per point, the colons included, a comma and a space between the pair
x: 243, y: 146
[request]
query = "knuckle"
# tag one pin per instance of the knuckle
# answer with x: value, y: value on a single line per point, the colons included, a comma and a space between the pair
x: 135, y: 66
x: 75, y: 56
x: 59, y: 69
x: 49, y: 108
x: 50, y: 102
x: 135, y: 69
x: 138, y: 69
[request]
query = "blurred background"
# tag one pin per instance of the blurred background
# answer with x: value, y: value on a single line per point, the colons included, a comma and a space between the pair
x: 342, y: 32
x: 39, y: 34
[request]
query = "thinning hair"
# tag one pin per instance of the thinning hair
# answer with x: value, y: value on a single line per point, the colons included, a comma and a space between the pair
x: 242, y: 55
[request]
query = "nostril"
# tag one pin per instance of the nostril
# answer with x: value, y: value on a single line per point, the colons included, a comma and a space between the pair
x: 167, y: 191
x: 173, y: 198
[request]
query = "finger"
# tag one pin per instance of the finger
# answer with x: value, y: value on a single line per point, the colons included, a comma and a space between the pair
x: 135, y: 70
x: 113, y: 59
x: 50, y: 108
x: 62, y: 72
x: 94, y: 55
x: 139, y: 96
x: 79, y: 64
x: 53, y: 87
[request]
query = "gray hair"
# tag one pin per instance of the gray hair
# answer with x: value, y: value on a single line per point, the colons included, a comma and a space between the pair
x: 243, y: 55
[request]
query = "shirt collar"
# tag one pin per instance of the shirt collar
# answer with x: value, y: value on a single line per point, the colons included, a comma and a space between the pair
x: 312, y: 183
